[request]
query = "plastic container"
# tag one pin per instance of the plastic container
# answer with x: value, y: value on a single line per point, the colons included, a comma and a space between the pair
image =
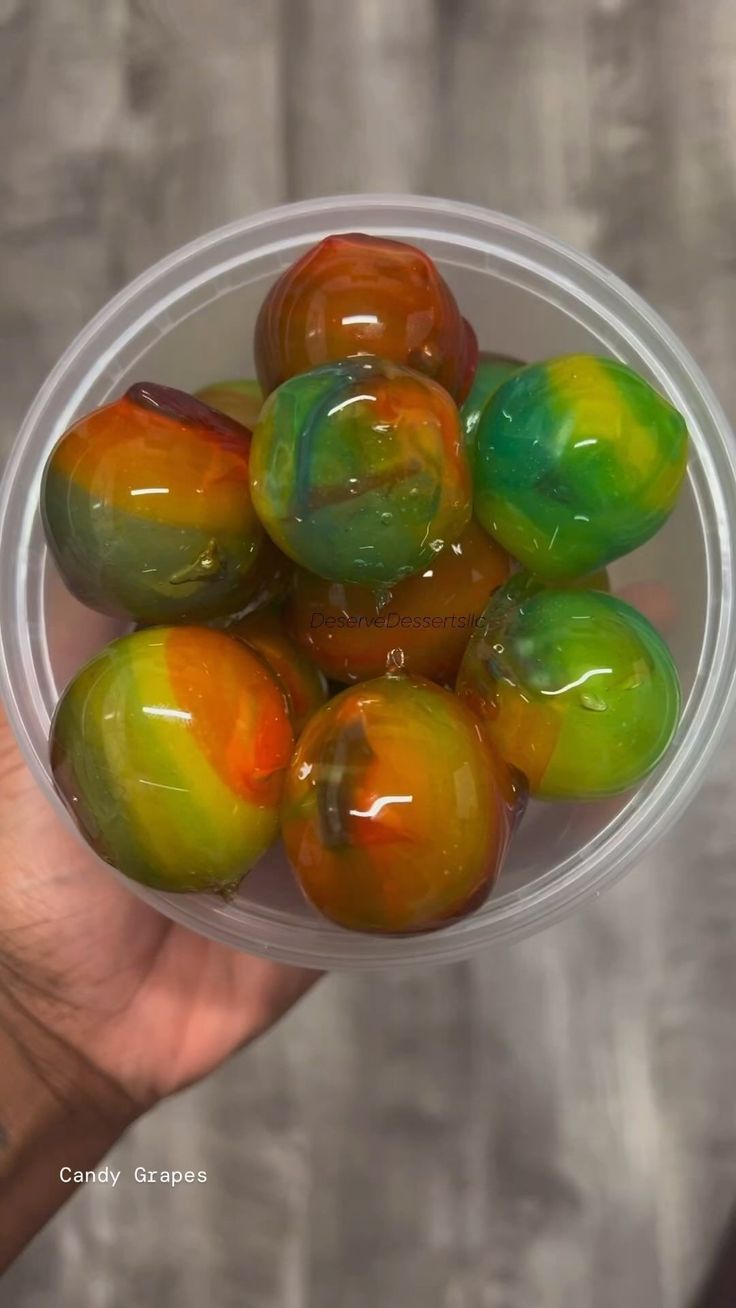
x: 189, y: 321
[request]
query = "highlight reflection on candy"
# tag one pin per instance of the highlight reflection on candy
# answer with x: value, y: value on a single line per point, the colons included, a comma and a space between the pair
x: 354, y: 294
x: 422, y: 624
x: 147, y: 509
x: 358, y: 471
x: 575, y: 689
x: 169, y: 749
x: 577, y: 462
x: 396, y: 814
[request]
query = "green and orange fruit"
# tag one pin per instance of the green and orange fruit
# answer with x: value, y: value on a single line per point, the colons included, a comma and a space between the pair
x: 147, y: 509
x: 169, y: 750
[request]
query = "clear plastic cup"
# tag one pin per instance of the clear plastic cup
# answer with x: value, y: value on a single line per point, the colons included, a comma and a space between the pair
x: 189, y: 321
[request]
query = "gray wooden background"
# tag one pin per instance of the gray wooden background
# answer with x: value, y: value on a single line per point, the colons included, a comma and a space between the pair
x: 549, y: 1126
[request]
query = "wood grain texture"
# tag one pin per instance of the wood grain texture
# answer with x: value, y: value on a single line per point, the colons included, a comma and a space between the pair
x: 548, y: 1126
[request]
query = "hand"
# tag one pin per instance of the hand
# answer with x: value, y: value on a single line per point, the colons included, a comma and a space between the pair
x: 102, y: 999
x: 149, y: 1004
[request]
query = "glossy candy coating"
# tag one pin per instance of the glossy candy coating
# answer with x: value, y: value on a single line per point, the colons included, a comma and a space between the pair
x: 492, y: 370
x: 358, y: 470
x: 147, y: 508
x: 269, y: 582
x: 422, y: 624
x: 396, y: 814
x: 355, y: 294
x: 169, y: 750
x: 302, y: 682
x: 575, y: 688
x: 577, y: 462
x: 240, y: 398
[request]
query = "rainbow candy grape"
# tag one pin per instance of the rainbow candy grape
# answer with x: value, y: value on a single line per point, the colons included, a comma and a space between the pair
x: 421, y: 625
x: 169, y: 749
x: 356, y: 295
x: 575, y: 688
x: 147, y: 510
x: 577, y: 462
x: 396, y: 814
x: 358, y: 470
